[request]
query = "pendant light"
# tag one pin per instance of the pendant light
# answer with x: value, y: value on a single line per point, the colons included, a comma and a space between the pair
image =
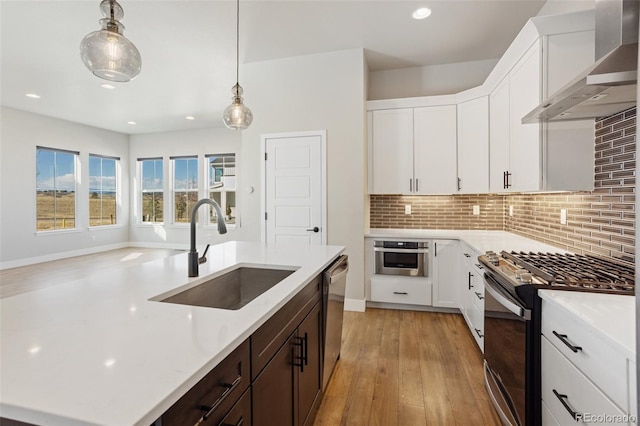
x: 237, y: 115
x: 106, y: 52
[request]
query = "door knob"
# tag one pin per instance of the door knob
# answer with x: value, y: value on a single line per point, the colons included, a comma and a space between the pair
x: 314, y: 229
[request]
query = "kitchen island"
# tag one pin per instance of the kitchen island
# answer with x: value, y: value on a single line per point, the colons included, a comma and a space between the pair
x: 99, y: 351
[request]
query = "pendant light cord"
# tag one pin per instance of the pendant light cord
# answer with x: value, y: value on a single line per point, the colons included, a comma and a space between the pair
x: 237, y: 41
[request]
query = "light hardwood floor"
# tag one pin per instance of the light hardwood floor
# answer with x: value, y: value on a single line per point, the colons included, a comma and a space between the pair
x: 407, y: 368
x: 33, y: 277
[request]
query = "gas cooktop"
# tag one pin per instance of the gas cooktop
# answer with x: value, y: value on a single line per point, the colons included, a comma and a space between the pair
x: 562, y: 271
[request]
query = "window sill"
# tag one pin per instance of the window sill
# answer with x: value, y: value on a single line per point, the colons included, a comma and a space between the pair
x: 58, y: 232
x: 105, y: 227
x: 149, y: 224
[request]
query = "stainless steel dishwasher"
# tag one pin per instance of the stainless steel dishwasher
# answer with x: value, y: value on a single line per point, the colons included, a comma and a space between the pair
x: 333, y: 289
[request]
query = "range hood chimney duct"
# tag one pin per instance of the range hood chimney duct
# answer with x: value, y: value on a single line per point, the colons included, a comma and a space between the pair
x: 609, y: 85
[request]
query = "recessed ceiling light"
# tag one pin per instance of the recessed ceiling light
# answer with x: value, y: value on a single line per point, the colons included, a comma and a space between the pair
x: 107, y: 86
x: 32, y: 96
x: 131, y: 122
x: 421, y: 13
x: 188, y: 117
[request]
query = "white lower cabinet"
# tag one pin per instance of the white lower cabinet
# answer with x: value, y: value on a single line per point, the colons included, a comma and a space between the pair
x: 547, y: 418
x: 585, y: 380
x: 399, y: 289
x: 445, y: 273
x: 471, y: 285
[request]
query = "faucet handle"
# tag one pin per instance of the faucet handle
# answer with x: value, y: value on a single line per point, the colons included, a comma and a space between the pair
x: 204, y: 255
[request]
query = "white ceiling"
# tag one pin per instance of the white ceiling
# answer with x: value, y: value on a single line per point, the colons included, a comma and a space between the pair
x: 188, y: 50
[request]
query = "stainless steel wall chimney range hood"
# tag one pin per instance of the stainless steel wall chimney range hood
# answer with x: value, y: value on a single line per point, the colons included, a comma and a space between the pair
x: 609, y: 85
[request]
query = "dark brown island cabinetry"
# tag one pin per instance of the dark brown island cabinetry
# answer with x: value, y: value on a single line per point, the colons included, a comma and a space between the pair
x: 272, y: 378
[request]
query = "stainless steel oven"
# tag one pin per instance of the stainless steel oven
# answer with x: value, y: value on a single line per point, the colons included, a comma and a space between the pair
x: 409, y: 258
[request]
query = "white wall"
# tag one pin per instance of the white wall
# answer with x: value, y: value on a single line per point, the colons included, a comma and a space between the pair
x: 556, y: 7
x: 315, y: 92
x: 428, y: 80
x: 198, y: 142
x: 20, y: 134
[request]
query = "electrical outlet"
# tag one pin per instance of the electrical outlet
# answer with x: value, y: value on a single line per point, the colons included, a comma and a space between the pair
x: 563, y: 216
x: 510, y: 210
x: 407, y: 209
x: 476, y: 210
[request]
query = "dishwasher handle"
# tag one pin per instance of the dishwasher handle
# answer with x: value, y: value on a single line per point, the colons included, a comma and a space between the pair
x: 338, y: 270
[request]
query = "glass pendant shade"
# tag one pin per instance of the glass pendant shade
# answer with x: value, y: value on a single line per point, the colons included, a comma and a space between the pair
x: 107, y: 53
x: 237, y: 115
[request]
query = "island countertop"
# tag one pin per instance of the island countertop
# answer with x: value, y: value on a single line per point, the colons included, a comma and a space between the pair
x: 98, y: 351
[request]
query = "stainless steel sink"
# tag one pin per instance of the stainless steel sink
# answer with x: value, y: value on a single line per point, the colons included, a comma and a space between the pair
x: 232, y: 290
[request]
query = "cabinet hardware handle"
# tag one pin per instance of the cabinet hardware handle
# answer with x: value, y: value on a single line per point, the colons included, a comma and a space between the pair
x: 417, y: 185
x: 480, y: 296
x: 306, y: 349
x: 507, y: 174
x: 563, y: 339
x: 300, y: 343
x: 229, y: 388
x: 459, y: 184
x: 470, y: 275
x: 563, y: 400
x: 435, y: 249
x: 240, y: 423
x: 479, y: 266
x: 478, y: 332
x: 410, y: 185
x: 400, y: 292
x: 467, y: 255
x: 504, y: 180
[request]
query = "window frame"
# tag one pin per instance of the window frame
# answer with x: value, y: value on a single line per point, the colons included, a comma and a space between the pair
x: 76, y: 172
x: 141, y: 191
x: 173, y: 190
x: 118, y: 209
x: 208, y: 191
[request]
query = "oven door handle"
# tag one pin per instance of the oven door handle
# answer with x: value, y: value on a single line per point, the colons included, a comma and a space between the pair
x: 504, y: 300
x: 395, y: 250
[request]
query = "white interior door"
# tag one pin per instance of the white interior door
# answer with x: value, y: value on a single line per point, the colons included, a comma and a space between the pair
x: 294, y: 193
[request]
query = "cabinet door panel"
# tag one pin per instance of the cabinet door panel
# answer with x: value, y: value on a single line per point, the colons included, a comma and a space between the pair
x: 309, y: 379
x: 272, y: 392
x: 435, y: 150
x: 392, y: 151
x: 445, y: 273
x: 473, y: 146
x: 525, y: 148
x: 499, y: 136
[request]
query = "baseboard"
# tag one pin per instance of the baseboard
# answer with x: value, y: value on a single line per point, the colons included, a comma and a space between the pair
x: 63, y: 255
x: 357, y: 305
x: 403, y: 307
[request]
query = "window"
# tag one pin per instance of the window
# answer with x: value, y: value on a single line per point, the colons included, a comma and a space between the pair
x: 151, y: 188
x: 55, y: 189
x: 102, y: 190
x: 221, y: 186
x: 185, y: 187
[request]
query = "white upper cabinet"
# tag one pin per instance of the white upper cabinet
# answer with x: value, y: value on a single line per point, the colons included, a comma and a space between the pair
x: 391, y: 151
x: 499, y: 137
x: 413, y: 150
x: 473, y: 146
x: 435, y: 150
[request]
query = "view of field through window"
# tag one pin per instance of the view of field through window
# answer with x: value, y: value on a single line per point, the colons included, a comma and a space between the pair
x: 55, y: 189
x: 185, y: 188
x: 152, y: 189
x: 102, y: 190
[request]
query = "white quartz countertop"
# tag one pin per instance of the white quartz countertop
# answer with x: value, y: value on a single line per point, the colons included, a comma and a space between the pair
x: 611, y: 316
x: 98, y: 351
x: 481, y: 241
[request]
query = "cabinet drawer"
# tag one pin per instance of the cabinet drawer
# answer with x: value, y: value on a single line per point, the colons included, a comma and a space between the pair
x: 565, y: 388
x: 240, y: 414
x: 477, y: 294
x: 397, y: 289
x: 477, y: 326
x: 604, y: 366
x: 215, y: 394
x: 266, y: 341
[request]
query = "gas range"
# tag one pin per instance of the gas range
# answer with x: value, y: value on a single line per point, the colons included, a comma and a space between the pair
x: 561, y: 271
